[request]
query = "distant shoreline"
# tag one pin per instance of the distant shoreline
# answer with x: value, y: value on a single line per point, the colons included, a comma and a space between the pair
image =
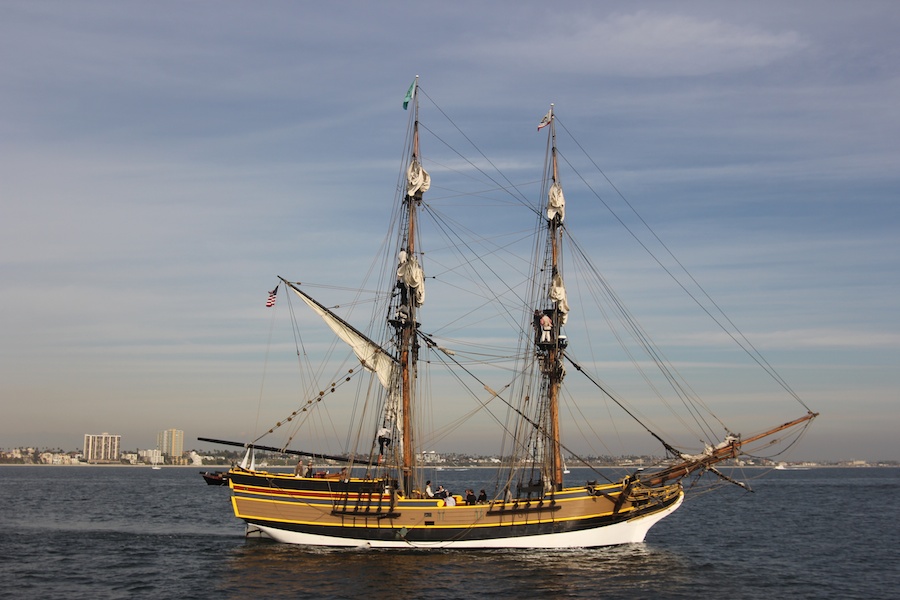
x: 116, y: 465
x: 457, y: 467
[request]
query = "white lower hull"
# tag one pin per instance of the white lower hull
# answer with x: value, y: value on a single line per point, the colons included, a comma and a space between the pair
x: 628, y: 532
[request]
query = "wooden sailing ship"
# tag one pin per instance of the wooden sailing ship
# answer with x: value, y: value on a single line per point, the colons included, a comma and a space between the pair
x: 383, y: 499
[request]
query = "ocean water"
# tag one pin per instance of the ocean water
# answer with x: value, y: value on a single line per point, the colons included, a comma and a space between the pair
x: 131, y: 532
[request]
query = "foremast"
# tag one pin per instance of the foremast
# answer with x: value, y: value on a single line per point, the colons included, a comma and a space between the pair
x: 395, y: 363
x: 410, y: 289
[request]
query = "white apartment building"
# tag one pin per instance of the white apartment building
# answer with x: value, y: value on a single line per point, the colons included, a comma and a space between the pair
x: 101, y: 448
x: 170, y: 442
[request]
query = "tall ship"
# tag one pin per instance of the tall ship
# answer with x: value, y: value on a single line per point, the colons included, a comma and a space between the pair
x: 490, y: 354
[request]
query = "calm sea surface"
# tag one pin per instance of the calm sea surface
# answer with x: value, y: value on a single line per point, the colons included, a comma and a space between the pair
x: 131, y: 532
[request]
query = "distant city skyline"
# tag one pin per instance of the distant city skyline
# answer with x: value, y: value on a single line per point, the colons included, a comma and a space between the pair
x: 151, y: 456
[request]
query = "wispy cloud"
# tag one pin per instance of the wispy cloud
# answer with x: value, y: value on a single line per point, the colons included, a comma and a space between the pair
x: 802, y: 338
x: 643, y: 44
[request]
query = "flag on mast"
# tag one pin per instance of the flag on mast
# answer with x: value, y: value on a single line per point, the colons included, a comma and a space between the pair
x: 546, y: 120
x: 271, y: 301
x: 409, y: 93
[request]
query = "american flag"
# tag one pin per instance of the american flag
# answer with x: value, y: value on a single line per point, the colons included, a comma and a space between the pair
x: 271, y: 301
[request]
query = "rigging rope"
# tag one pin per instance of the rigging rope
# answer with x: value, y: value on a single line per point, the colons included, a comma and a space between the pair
x: 519, y: 197
x: 525, y: 418
x: 754, y: 354
x: 674, y: 451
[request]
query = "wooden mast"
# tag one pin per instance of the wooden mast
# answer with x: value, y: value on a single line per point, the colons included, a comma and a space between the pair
x: 554, y: 357
x: 408, y: 333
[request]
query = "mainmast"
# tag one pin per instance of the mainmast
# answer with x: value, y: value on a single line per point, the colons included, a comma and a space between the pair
x: 551, y: 342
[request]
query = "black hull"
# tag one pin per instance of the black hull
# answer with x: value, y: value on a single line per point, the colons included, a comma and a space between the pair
x: 215, y: 478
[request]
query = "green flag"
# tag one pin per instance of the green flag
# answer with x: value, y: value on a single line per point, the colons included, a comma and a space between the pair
x: 409, y: 94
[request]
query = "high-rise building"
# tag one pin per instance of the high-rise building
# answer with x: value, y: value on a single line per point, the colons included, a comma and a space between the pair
x: 101, y: 448
x: 170, y: 442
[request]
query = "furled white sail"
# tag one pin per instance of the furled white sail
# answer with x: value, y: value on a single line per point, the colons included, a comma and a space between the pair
x: 418, y: 179
x: 558, y: 293
x: 556, y: 204
x: 410, y: 272
x: 368, y: 352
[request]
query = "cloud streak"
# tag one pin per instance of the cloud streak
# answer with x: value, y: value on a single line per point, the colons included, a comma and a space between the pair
x: 643, y: 44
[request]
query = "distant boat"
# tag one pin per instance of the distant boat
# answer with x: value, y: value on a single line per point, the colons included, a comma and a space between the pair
x: 518, y: 387
x: 784, y: 467
x: 215, y: 477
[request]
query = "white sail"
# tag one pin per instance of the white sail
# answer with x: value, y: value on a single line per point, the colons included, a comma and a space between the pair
x: 410, y: 272
x: 368, y: 352
x: 558, y: 293
x: 556, y: 202
x: 418, y: 179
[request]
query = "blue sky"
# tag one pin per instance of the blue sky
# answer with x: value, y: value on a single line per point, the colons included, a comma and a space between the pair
x: 162, y: 162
